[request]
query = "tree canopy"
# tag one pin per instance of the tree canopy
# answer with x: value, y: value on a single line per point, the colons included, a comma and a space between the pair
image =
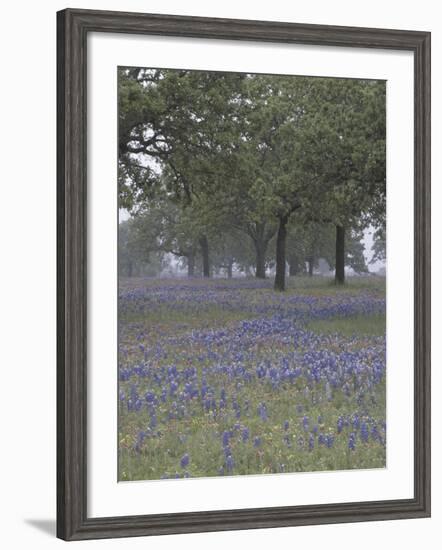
x: 252, y: 170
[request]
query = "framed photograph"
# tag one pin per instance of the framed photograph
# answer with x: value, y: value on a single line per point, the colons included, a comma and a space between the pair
x: 243, y: 274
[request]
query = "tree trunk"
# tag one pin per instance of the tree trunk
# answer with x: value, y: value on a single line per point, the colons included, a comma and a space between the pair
x: 293, y: 266
x: 204, y: 244
x: 129, y: 268
x: 230, y: 270
x: 191, y: 264
x: 260, y: 248
x: 261, y: 239
x: 280, y: 254
x: 310, y: 266
x: 340, y: 255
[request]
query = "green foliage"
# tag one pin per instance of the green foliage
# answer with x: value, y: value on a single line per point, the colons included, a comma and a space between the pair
x: 222, y: 155
x: 379, y: 244
x: 138, y: 253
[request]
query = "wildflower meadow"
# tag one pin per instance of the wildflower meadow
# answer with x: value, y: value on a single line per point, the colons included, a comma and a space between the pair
x: 222, y: 377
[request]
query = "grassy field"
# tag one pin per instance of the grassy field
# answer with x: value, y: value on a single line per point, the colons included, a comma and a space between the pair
x: 227, y: 377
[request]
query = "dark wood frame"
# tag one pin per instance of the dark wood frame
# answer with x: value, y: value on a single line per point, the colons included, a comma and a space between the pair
x: 73, y: 27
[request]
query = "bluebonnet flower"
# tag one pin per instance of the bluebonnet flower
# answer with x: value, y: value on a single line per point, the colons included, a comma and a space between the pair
x: 226, y: 438
x: 245, y: 434
x: 257, y: 442
x: 173, y: 387
x: 352, y: 441
x: 150, y: 397
x: 364, y: 432
x: 340, y: 424
x: 227, y: 451
x: 356, y: 422
x: 184, y: 462
x: 305, y: 423
x: 286, y: 425
x: 262, y: 411
x: 140, y: 439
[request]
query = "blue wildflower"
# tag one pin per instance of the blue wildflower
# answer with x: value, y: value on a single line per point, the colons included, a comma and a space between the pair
x: 185, y: 461
x: 262, y: 411
x: 245, y: 434
x: 352, y: 441
x: 364, y: 432
x: 340, y: 424
x: 305, y: 423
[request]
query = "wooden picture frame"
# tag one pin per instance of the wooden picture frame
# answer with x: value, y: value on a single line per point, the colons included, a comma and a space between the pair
x: 73, y: 26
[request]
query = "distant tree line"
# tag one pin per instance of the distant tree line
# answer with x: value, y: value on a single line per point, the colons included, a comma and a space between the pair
x: 241, y: 171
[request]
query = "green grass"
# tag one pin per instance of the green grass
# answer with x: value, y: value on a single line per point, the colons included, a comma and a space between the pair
x: 373, y: 325
x: 325, y: 286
